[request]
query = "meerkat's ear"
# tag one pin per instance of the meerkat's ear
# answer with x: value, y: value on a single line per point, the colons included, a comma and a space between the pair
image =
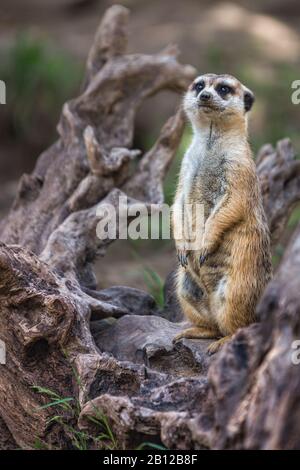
x: 249, y: 99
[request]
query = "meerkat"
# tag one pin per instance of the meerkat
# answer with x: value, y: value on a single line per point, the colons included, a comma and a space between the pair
x: 220, y: 280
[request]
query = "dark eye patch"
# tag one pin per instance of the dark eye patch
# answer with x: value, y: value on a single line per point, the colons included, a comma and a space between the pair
x: 199, y: 86
x: 223, y: 89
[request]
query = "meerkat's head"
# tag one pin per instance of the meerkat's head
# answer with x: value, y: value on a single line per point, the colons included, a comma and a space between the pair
x: 215, y: 98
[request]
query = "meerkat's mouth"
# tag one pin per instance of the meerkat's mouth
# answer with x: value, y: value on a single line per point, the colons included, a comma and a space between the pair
x: 210, y: 107
x: 207, y: 106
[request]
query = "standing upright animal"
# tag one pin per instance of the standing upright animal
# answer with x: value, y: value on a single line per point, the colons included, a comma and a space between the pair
x: 220, y: 280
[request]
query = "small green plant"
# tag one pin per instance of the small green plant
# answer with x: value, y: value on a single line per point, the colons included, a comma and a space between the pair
x: 152, y: 279
x: 39, y: 78
x: 40, y: 445
x: 107, y: 434
x: 68, y: 410
x: 150, y: 445
x: 57, y: 400
x: 154, y: 285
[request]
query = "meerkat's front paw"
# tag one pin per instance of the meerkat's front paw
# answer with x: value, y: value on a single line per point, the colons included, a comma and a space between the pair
x: 178, y: 337
x: 182, y: 256
x: 216, y: 345
x: 196, y: 332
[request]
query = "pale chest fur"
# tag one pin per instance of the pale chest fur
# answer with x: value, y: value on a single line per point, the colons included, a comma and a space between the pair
x: 203, y: 174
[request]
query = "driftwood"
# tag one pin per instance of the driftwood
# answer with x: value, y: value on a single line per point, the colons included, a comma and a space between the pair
x: 112, y: 349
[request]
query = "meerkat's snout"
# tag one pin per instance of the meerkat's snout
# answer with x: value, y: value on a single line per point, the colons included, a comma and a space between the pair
x: 205, y: 97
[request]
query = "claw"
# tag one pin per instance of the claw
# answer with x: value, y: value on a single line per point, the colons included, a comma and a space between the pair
x: 202, y: 259
x: 183, y: 258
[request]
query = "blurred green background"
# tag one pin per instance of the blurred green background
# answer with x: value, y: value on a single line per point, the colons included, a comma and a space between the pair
x: 43, y: 47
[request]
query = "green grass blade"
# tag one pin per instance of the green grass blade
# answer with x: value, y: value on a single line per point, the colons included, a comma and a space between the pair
x: 61, y: 401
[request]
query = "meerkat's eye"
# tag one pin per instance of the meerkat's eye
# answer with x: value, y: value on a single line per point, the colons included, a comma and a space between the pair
x: 199, y: 86
x: 224, y: 90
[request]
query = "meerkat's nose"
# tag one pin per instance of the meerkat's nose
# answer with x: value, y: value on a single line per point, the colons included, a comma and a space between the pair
x: 205, y: 96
